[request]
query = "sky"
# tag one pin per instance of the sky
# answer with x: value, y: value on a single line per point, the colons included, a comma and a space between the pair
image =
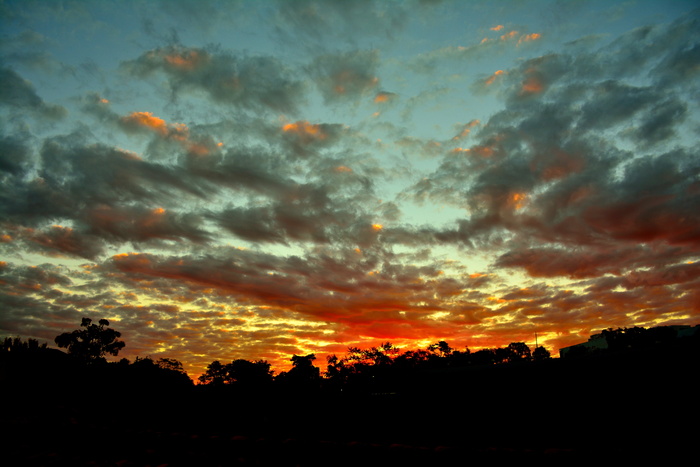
x: 258, y: 179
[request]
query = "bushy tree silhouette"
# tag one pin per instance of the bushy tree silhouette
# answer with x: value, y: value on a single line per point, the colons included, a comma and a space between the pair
x: 91, y: 344
x: 215, y: 374
x: 540, y: 353
x: 241, y: 373
x: 441, y: 349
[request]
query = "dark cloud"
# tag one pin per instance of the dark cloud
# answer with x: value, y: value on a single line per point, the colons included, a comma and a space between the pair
x: 19, y: 94
x: 303, y: 138
x: 139, y: 224
x: 345, y: 76
x: 59, y: 240
x: 14, y: 156
x: 253, y: 83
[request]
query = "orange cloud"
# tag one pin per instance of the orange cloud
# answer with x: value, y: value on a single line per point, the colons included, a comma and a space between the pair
x: 493, y: 77
x: 497, y: 28
x: 132, y: 262
x: 188, y: 60
x: 383, y: 97
x: 532, y: 85
x: 148, y: 121
x: 178, y: 132
x: 305, y: 130
x: 483, y: 151
x: 529, y: 38
x: 509, y: 35
x: 517, y: 200
x: 466, y: 130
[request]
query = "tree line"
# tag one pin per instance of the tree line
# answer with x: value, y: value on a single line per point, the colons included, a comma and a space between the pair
x: 376, y: 369
x: 359, y: 368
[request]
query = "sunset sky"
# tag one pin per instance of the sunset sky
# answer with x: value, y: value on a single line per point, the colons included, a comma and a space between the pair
x: 257, y: 179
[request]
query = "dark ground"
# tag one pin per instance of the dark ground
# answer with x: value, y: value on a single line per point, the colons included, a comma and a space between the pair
x: 612, y: 410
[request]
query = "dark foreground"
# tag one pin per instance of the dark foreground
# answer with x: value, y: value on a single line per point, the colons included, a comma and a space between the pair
x: 554, y: 414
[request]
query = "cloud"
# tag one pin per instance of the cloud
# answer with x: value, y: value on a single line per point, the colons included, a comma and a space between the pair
x: 345, y: 76
x: 384, y: 97
x: 304, y: 138
x: 362, y: 291
x: 14, y: 156
x: 95, y: 194
x: 19, y: 94
x: 65, y: 241
x: 255, y: 83
x: 26, y: 49
x: 549, y: 186
x: 139, y: 224
x: 323, y: 21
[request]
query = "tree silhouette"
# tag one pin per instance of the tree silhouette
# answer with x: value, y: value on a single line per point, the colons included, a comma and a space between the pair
x: 92, y: 343
x: 162, y: 373
x: 241, y: 373
x: 14, y: 345
x: 170, y: 364
x: 540, y: 353
x: 303, y: 368
x: 303, y: 376
x: 441, y: 349
x: 250, y: 374
x: 518, y: 352
x: 215, y: 374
